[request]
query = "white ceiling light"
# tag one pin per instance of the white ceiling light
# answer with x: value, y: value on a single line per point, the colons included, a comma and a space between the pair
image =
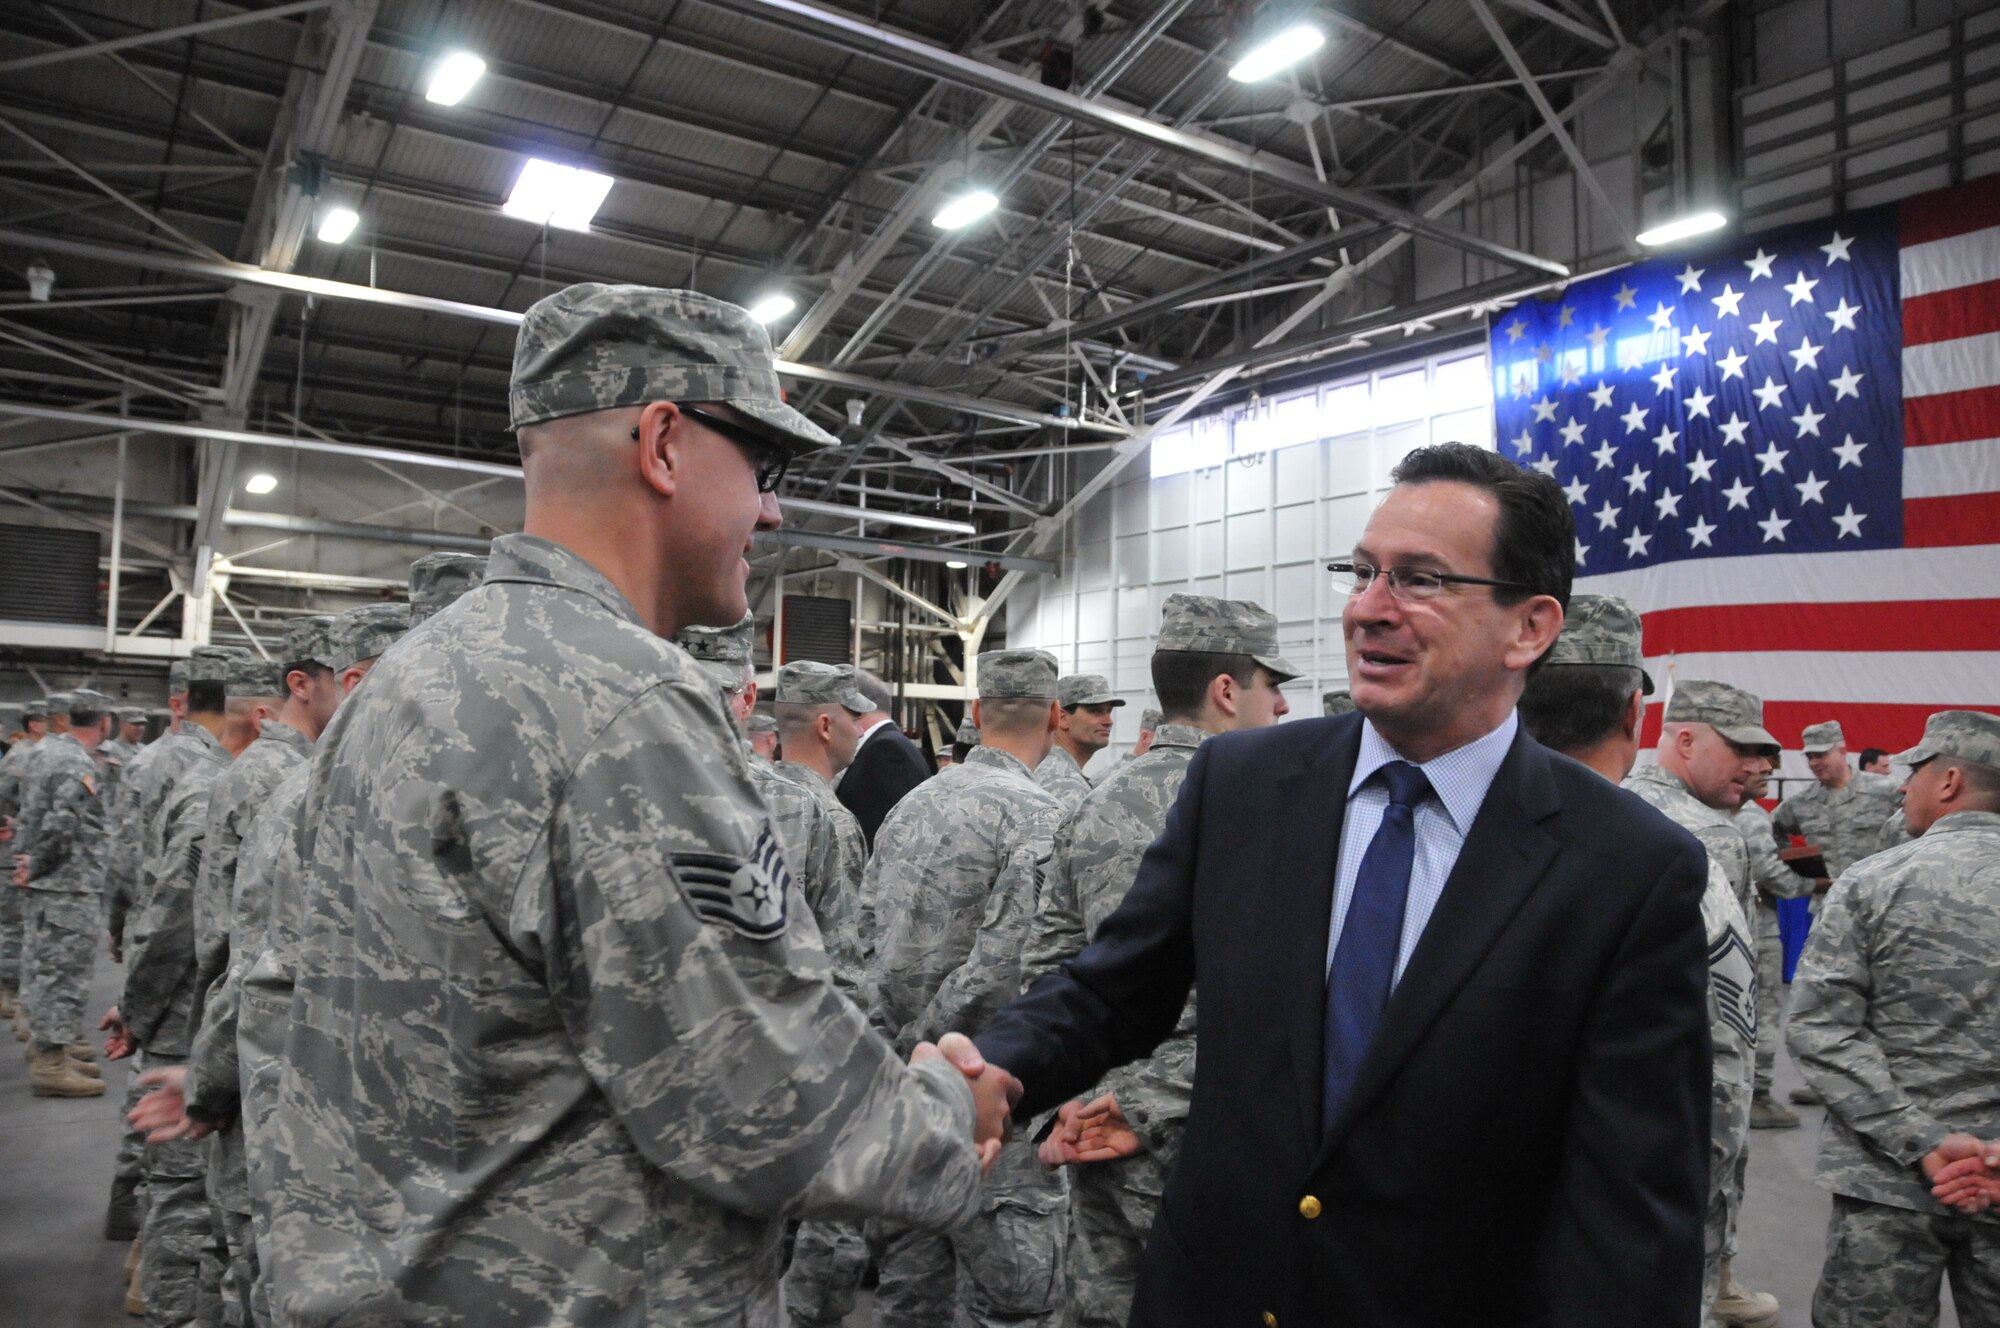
x: 454, y: 76
x: 337, y: 224
x: 562, y: 196
x: 1669, y: 232
x: 1283, y: 48
x: 770, y: 308
x: 261, y: 483
x: 961, y: 210
x: 955, y: 565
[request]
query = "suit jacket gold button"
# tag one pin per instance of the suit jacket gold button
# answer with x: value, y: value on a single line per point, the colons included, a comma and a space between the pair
x: 1309, y: 1208
x: 1270, y: 1320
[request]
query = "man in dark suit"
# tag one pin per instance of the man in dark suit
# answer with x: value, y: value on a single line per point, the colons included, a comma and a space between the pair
x: 1453, y: 1043
x: 886, y: 763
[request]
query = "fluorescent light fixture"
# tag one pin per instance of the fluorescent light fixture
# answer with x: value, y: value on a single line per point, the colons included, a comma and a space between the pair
x: 1281, y: 49
x: 562, y: 196
x: 963, y: 209
x: 454, y: 76
x: 1698, y: 224
x: 956, y: 565
x: 772, y: 307
x: 261, y: 483
x: 338, y: 224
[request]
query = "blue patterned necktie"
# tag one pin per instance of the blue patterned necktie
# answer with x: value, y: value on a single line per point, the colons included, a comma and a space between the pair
x: 1357, y: 986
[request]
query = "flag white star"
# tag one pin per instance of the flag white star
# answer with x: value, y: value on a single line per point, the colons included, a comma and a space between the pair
x: 1523, y: 444
x: 1635, y: 419
x: 1699, y: 532
x: 1547, y: 465
x: 1572, y: 369
x: 1664, y: 379
x: 1732, y: 364
x: 1572, y: 433
x: 1760, y: 266
x: 1848, y: 384
x: 1850, y: 452
x: 1636, y: 481
x: 1635, y: 543
x: 1577, y: 491
x: 1699, y: 465
x: 1665, y: 440
x: 1625, y: 296
x: 1738, y: 495
x: 1807, y: 422
x: 1842, y: 315
x: 1598, y: 332
x: 1809, y: 492
x: 1545, y: 409
x: 1662, y: 318
x: 1668, y: 504
x: 1801, y: 288
x: 1771, y: 394
x: 1582, y: 552
x: 1727, y: 302
x: 1690, y: 278
x: 1837, y: 251
x: 1734, y: 428
x: 1695, y: 343
x: 1766, y: 329
x: 1698, y: 404
x: 1772, y: 459
x: 1806, y: 356
x: 1568, y: 317
x: 1600, y: 396
x: 1606, y: 455
x: 1516, y: 330
x: 1607, y: 515
x: 1773, y: 527
x: 1850, y: 522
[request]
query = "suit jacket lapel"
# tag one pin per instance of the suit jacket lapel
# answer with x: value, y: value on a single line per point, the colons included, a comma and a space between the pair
x: 1504, y: 856
x: 1311, y: 802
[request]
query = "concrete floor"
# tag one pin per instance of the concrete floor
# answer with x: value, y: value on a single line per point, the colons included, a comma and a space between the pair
x: 57, y: 1270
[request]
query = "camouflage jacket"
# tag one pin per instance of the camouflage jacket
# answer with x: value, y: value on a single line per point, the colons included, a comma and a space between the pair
x: 562, y: 1047
x: 12, y: 766
x: 827, y: 854
x: 41, y: 759
x: 1844, y: 824
x: 67, y: 852
x: 1895, y: 1014
x: 1061, y: 775
x: 158, y: 1001
x: 247, y: 1052
x: 1732, y: 1025
x: 1895, y: 830
x: 1772, y: 878
x: 960, y: 859
x: 123, y: 833
x: 1716, y: 830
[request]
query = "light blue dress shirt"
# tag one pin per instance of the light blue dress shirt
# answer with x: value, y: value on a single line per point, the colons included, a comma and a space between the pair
x: 1459, y: 781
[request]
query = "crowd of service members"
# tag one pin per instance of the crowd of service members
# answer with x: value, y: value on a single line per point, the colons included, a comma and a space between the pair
x: 496, y: 959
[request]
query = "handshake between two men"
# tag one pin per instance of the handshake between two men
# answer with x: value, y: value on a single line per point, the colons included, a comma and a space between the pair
x: 1094, y: 1131
x: 1964, y: 1173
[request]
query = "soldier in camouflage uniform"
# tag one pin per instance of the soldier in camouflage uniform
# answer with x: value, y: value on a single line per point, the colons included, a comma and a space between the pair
x: 762, y: 731
x: 35, y: 725
x: 725, y: 655
x: 1085, y: 730
x: 1216, y: 669
x: 1841, y: 815
x: 1712, y: 740
x: 953, y: 884
x: 561, y: 1046
x: 27, y: 817
x: 1773, y: 881
x: 1588, y: 701
x: 1896, y: 1021
x: 438, y: 580
x: 130, y: 736
x: 1338, y: 702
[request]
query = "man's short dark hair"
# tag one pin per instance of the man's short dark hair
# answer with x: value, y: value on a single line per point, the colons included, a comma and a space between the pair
x: 1870, y: 755
x: 1181, y: 678
x: 312, y: 668
x: 206, y: 697
x: 83, y: 719
x: 1534, y: 540
x: 1573, y: 707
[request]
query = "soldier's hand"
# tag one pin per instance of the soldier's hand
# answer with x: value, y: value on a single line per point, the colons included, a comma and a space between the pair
x: 994, y: 1091
x: 118, y: 1042
x: 1103, y: 1135
x: 161, y: 1115
x: 1964, y: 1172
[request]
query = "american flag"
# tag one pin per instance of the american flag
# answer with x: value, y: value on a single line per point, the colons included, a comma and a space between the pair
x: 1786, y: 453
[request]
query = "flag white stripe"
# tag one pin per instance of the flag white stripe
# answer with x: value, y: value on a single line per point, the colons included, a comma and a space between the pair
x: 1961, y: 260
x: 1861, y: 576
x: 1939, y: 678
x: 1949, y: 469
x: 1951, y: 366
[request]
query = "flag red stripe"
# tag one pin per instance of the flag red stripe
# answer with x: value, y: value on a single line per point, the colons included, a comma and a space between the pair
x: 1892, y: 727
x: 1963, y: 311
x: 1951, y: 417
x: 1966, y: 518
x: 1949, y: 212
x: 1898, y: 625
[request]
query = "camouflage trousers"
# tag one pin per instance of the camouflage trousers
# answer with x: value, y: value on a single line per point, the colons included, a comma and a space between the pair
x: 59, y: 950
x: 178, y: 1224
x: 1884, y: 1266
x: 229, y: 1199
x: 1770, y: 991
x: 127, y: 1210
x: 1008, y: 1260
x: 829, y: 1260
x: 1111, y: 1211
x: 12, y: 906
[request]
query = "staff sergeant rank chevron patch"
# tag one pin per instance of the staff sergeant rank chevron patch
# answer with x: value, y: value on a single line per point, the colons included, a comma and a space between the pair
x: 748, y: 896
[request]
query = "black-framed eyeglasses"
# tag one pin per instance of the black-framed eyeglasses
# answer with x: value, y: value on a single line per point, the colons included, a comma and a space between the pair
x: 1407, y: 583
x: 766, y: 457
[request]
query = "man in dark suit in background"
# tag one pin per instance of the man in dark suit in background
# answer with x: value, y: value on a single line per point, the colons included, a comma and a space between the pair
x: 886, y: 764
x: 1453, y: 1044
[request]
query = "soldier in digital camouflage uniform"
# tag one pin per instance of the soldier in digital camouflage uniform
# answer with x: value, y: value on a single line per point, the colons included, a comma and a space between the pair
x: 440, y: 579
x: 1772, y: 881
x: 1216, y: 668
x: 725, y: 654
x: 762, y: 731
x: 27, y: 817
x: 1339, y: 702
x: 130, y: 735
x: 35, y: 725
x: 561, y: 1047
x: 953, y: 884
x: 1087, y: 702
x: 1712, y: 740
x: 1843, y: 813
x: 1896, y: 1021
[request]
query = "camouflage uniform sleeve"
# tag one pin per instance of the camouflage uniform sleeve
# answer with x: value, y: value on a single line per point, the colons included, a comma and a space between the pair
x: 1056, y: 932
x: 121, y: 865
x: 220, y: 843
x: 55, y: 839
x: 732, y: 1070
x: 1767, y: 871
x: 161, y: 960
x: 1827, y: 1030
x: 846, y: 861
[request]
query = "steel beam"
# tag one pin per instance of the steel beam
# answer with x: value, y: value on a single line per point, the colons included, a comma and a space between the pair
x: 161, y: 35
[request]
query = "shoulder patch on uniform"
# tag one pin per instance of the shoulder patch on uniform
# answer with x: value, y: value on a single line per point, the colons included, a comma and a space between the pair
x: 1732, y: 976
x: 746, y: 895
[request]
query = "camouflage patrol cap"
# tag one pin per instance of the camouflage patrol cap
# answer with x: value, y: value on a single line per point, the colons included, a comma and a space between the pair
x: 1730, y: 711
x: 34, y: 710
x: 598, y: 347
x: 1340, y: 702
x: 810, y: 683
x: 437, y: 579
x: 968, y: 732
x: 366, y: 632
x: 308, y: 640
x: 1968, y: 735
x: 177, y: 677
x: 1004, y: 674
x: 1150, y: 718
x: 1822, y: 737
x: 1223, y: 627
x: 724, y: 653
x: 1600, y: 629
x: 249, y: 676
x: 211, y: 663
x: 89, y: 701
x: 759, y: 722
x: 1080, y: 689
x: 59, y: 703
x: 131, y: 715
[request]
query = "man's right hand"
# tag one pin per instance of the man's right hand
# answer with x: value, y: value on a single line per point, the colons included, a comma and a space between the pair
x: 118, y: 1040
x: 1964, y: 1173
x: 994, y: 1091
